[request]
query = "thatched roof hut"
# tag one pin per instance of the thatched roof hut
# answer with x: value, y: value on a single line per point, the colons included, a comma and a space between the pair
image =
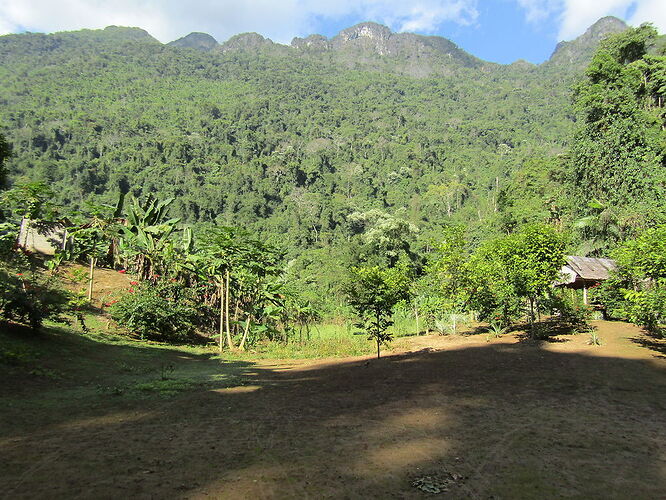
x: 585, y: 272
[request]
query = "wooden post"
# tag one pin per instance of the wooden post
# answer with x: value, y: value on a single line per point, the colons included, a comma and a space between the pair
x: 91, y: 275
x: 585, y: 294
x: 221, y: 313
x: 227, y: 311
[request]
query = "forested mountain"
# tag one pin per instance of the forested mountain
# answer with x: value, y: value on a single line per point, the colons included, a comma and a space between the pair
x: 312, y: 144
x: 578, y: 52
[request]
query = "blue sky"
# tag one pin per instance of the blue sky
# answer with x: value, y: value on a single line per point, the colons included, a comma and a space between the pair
x: 495, y: 30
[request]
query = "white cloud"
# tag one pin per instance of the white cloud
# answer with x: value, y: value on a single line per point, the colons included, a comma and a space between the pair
x: 278, y: 19
x: 575, y: 16
x: 538, y: 10
x: 581, y: 14
x: 653, y: 11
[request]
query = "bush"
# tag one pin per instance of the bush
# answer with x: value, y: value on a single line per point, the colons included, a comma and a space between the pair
x: 575, y: 316
x: 637, y: 289
x: 163, y: 309
x: 569, y: 313
x: 30, y: 297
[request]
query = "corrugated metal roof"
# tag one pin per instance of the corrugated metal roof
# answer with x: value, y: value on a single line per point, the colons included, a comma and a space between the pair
x: 591, y: 268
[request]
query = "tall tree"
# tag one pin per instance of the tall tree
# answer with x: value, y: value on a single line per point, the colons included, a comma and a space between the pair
x: 5, y: 152
x: 618, y: 156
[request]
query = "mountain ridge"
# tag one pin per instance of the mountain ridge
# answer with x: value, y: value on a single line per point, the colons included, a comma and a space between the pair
x: 363, y: 42
x: 370, y: 37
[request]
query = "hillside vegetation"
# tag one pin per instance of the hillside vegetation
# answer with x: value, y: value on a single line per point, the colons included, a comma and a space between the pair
x: 369, y: 150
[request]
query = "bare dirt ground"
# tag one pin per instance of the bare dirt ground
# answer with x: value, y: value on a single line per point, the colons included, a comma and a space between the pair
x: 505, y: 419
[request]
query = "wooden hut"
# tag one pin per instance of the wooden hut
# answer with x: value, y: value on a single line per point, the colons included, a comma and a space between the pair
x: 43, y: 237
x: 582, y: 273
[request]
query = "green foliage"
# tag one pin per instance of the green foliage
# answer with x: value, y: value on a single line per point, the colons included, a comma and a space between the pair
x: 285, y: 143
x: 343, y: 167
x: 446, y: 271
x: 33, y: 200
x: 519, y: 266
x: 637, y: 291
x: 618, y: 155
x: 5, y: 152
x: 373, y: 292
x: 594, y: 339
x: 449, y: 324
x: 144, y: 240
x: 30, y: 296
x: 162, y: 309
x: 8, y: 232
x: 495, y: 330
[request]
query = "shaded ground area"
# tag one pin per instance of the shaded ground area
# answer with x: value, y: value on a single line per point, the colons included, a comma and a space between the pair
x: 505, y: 419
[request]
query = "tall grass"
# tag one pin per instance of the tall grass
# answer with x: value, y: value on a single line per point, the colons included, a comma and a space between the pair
x: 326, y: 340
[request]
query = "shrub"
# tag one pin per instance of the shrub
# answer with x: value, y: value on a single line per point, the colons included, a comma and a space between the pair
x: 163, y: 309
x: 495, y: 331
x: 570, y: 314
x: 594, y: 339
x: 576, y: 316
x: 637, y: 290
x: 30, y: 297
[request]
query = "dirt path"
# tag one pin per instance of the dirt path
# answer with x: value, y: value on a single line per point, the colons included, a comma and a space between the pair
x: 504, y: 419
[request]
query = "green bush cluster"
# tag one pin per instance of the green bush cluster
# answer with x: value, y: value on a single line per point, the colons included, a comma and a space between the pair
x: 30, y: 297
x: 637, y: 290
x: 162, y: 309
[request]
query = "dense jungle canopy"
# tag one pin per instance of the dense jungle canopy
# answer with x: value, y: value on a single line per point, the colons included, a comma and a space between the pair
x: 357, y: 149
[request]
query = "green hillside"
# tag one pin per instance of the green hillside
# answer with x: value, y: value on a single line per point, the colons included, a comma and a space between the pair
x: 316, y: 145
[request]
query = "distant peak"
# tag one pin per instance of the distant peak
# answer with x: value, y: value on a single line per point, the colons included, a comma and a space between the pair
x: 128, y: 33
x: 196, y: 40
x: 580, y: 50
x: 365, y: 30
x: 312, y: 41
x: 608, y: 24
x: 245, y: 41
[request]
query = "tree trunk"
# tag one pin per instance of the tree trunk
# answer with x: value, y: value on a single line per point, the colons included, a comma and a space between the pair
x: 222, y: 314
x: 531, y: 316
x: 91, y: 275
x: 416, y: 316
x: 236, y: 311
x: 378, y: 333
x: 247, y: 329
x: 227, y: 312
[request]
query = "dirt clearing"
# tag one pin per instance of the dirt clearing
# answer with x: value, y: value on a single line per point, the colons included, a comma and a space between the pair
x: 471, y: 419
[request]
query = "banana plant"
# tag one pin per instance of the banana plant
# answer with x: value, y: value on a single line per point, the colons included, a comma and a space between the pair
x: 145, y: 238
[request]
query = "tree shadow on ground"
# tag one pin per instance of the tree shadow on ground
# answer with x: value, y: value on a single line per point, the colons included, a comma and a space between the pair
x: 655, y: 342
x: 515, y: 420
x: 55, y: 375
